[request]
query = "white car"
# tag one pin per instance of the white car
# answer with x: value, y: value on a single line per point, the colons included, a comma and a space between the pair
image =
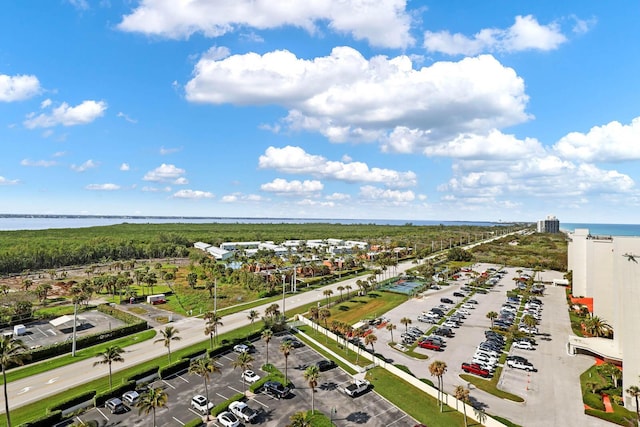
x: 241, y: 348
x: 227, y: 419
x: 523, y: 345
x: 243, y: 411
x: 200, y: 404
x: 250, y: 377
x: 450, y: 324
x: 468, y: 306
x: 464, y: 311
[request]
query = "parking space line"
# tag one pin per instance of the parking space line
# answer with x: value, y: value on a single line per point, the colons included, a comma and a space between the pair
x: 179, y: 422
x: 100, y: 412
x: 398, y: 420
x: 259, y: 403
x: 195, y: 412
x: 183, y: 379
x: 234, y: 389
x: 223, y: 397
x: 168, y: 384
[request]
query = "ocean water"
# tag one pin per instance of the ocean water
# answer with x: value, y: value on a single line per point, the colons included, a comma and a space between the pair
x: 605, y: 229
x: 8, y: 223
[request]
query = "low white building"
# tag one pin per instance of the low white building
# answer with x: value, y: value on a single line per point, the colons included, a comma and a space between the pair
x: 219, y: 253
x: 201, y: 245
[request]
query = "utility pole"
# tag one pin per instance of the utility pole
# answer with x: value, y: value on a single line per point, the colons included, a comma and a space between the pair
x: 283, y: 292
x: 75, y: 321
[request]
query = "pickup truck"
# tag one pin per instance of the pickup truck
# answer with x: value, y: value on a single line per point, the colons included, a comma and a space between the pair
x: 357, y: 387
x: 430, y: 345
x: 475, y: 369
x: 243, y: 411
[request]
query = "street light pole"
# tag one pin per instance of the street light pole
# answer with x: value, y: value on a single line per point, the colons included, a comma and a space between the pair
x: 75, y: 321
x: 283, y: 292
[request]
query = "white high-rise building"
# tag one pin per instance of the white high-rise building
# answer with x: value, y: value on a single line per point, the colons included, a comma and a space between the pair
x: 550, y: 224
x: 607, y: 269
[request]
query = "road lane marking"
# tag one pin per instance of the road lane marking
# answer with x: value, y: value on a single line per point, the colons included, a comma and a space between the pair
x: 52, y: 380
x: 24, y: 390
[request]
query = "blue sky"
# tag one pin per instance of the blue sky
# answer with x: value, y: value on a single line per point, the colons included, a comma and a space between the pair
x: 364, y: 109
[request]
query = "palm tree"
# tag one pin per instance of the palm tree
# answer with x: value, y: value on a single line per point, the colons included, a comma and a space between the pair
x: 314, y: 313
x: 169, y: 333
x: 327, y: 293
x: 212, y: 321
x: 286, y: 348
x: 299, y: 419
x: 529, y: 321
x: 492, y: 315
x: 406, y: 322
x: 312, y: 375
x: 111, y: 354
x: 253, y: 315
x: 150, y: 400
x: 243, y: 361
x: 348, y: 288
x: 390, y: 327
x: 633, y: 391
x: 324, y: 314
x: 370, y: 339
x: 596, y: 326
x: 203, y: 367
x: 340, y: 289
x: 437, y: 369
x: 462, y: 394
x: 12, y: 352
x: 267, y: 334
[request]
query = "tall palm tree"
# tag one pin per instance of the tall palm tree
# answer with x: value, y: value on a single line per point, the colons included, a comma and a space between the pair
x: 12, y: 352
x: 327, y: 293
x: 462, y: 394
x: 324, y: 314
x: 203, y: 367
x: 596, y: 327
x: 312, y: 375
x: 150, y: 400
x: 111, y: 354
x: 633, y: 391
x: 348, y: 288
x: 492, y: 315
x: 340, y: 289
x: 406, y: 322
x: 529, y: 321
x: 253, y: 315
x: 314, y: 313
x: 390, y: 327
x: 212, y: 321
x: 244, y: 362
x: 285, y: 349
x: 437, y: 369
x: 267, y: 334
x: 370, y: 340
x: 169, y: 333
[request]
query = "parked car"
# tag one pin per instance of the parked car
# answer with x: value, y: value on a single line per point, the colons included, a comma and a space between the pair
x: 523, y: 345
x: 250, y: 376
x: 474, y: 368
x: 275, y: 389
x: 459, y: 294
x: 519, y: 364
x: 325, y: 365
x: 241, y: 348
x: 444, y: 332
x: 446, y: 300
x: 472, y: 301
x: 429, y: 345
x: 201, y: 404
x: 115, y: 406
x: 468, y: 306
x: 450, y: 324
x: 294, y: 342
x: 243, y: 411
x: 227, y: 419
x: 131, y: 397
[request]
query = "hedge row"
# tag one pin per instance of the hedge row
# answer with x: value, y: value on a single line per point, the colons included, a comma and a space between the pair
x: 195, y: 354
x: 174, y: 368
x: 144, y: 374
x: 73, y: 401
x: 196, y: 422
x: 221, y: 407
x: 112, y: 311
x: 45, y: 421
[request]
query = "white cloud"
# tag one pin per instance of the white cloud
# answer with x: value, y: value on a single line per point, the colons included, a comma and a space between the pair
x: 395, y: 197
x: 525, y: 34
x: 316, y: 203
x: 46, y: 103
x: 126, y: 117
x: 79, y: 4
x: 89, y: 164
x: 338, y: 197
x: 148, y: 189
x: 18, y: 88
x: 295, y: 187
x: 59, y: 154
x: 346, y: 97
x: 240, y: 197
x: 613, y: 142
x: 65, y: 115
x: 294, y: 160
x: 193, y: 194
x: 125, y: 167
x: 582, y: 26
x: 165, y: 151
x: 102, y: 187
x: 6, y: 181
x: 38, y: 163
x: 381, y: 22
x: 181, y: 181
x: 165, y: 173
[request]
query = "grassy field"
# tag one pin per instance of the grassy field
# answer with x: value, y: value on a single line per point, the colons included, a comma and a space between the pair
x: 370, y: 306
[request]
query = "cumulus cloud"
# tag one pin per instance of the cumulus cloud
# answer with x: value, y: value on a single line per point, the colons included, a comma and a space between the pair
x: 38, y: 163
x: 102, y: 187
x: 18, y: 88
x: 166, y: 173
x: 613, y: 142
x: 295, y: 187
x: 395, y: 197
x: 89, y: 164
x: 294, y: 160
x: 165, y: 151
x: 381, y: 22
x: 525, y: 34
x: 148, y: 189
x: 126, y: 117
x: 7, y: 181
x: 240, y: 197
x: 125, y: 167
x: 338, y: 197
x: 66, y: 115
x: 346, y: 97
x: 192, y: 194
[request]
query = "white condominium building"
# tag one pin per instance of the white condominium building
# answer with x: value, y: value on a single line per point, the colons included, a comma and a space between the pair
x: 607, y: 269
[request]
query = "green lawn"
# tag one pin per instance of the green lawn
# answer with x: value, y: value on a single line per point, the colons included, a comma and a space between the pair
x: 370, y: 306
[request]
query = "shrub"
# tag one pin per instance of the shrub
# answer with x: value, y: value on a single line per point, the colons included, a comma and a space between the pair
x: 405, y: 369
x: 112, y: 311
x: 221, y: 407
x: 143, y: 374
x: 593, y: 400
x: 74, y: 400
x: 46, y: 421
x: 196, y: 422
x: 174, y: 368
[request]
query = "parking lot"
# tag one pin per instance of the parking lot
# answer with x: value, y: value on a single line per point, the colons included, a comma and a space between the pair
x: 367, y: 409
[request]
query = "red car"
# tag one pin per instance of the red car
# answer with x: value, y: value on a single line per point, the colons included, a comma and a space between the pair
x: 474, y: 368
x: 430, y: 345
